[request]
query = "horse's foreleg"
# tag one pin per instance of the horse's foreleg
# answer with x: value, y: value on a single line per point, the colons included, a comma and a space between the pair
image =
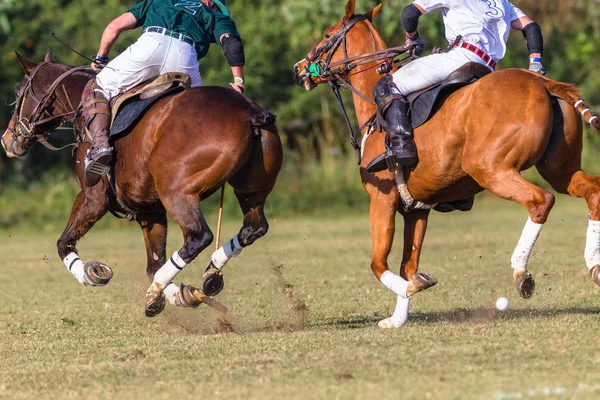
x: 382, y: 217
x: 538, y: 202
x: 197, y: 236
x: 90, y: 205
x: 415, y: 226
x: 254, y: 227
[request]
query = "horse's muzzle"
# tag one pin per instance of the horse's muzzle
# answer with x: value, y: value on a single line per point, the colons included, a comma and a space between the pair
x: 10, y: 146
x: 302, y: 76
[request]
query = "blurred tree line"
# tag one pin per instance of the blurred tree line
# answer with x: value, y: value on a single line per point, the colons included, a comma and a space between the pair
x: 276, y: 34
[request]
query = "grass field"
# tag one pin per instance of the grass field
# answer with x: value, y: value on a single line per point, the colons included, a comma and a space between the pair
x: 303, y: 307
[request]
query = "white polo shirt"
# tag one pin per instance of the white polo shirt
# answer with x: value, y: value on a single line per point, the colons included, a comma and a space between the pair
x: 484, y: 23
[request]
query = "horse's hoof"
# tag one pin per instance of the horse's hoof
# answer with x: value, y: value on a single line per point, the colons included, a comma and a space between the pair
x: 97, y: 274
x: 419, y: 282
x: 187, y: 298
x: 213, y: 281
x: 155, y: 301
x: 525, y: 284
x: 388, y: 324
x: 595, y: 274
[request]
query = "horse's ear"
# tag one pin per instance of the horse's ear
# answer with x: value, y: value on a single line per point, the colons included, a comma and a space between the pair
x: 373, y: 13
x: 49, y: 56
x: 350, y: 6
x: 27, y: 65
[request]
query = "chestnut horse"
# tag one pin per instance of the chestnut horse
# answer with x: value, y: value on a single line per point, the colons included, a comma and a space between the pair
x: 484, y: 135
x: 184, y: 148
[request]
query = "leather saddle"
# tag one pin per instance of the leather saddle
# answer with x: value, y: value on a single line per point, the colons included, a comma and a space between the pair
x: 426, y: 102
x: 128, y: 108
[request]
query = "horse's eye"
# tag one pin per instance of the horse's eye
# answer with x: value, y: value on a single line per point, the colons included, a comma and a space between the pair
x: 327, y: 36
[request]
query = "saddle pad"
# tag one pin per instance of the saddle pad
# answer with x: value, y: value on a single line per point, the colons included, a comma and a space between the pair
x: 133, y: 110
x: 425, y: 103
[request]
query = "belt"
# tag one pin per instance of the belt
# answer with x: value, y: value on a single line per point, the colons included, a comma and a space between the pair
x: 166, y: 32
x: 489, y: 61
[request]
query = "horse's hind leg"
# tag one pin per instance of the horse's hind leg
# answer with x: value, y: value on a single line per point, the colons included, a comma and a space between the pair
x: 561, y: 167
x: 185, y: 211
x: 254, y: 227
x: 510, y: 185
x: 90, y: 205
x: 252, y: 185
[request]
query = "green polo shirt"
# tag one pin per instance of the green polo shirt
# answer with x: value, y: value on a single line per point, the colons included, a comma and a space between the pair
x: 190, y: 17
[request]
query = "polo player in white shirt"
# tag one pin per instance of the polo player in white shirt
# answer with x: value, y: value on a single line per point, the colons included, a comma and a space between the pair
x: 484, y: 26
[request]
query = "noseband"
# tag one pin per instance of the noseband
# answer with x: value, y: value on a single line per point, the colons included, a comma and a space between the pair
x: 318, y: 66
x: 25, y: 126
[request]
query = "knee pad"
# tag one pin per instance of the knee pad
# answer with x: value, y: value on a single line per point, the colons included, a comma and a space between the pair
x: 383, y: 88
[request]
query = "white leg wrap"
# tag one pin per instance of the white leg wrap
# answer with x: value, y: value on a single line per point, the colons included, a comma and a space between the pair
x: 75, y: 265
x: 400, y: 316
x: 233, y: 248
x: 530, y: 233
x: 167, y: 272
x: 395, y: 283
x: 170, y: 292
x: 592, y: 244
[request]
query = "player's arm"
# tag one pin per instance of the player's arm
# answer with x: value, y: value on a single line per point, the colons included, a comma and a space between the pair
x: 534, y: 40
x: 110, y: 35
x: 225, y: 33
x: 410, y: 22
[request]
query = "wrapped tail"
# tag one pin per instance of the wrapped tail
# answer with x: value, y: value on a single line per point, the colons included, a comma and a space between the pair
x: 570, y: 94
x: 261, y: 118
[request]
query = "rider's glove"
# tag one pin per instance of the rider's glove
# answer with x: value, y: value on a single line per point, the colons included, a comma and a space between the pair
x: 237, y: 85
x: 535, y: 65
x: 416, y: 41
x: 99, y: 63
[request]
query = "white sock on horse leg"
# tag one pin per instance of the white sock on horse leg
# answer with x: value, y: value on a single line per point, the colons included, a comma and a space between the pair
x: 400, y: 316
x: 167, y: 272
x: 395, y: 283
x: 75, y: 265
x: 592, y: 244
x: 233, y: 248
x: 171, y: 292
x: 530, y: 233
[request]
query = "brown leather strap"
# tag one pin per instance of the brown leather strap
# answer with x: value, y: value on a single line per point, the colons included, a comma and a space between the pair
x: 99, y: 111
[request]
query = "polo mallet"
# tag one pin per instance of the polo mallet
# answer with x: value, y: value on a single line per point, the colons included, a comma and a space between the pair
x: 210, y: 301
x: 220, y: 217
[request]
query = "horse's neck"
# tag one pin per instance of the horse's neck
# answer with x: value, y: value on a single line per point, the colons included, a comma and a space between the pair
x: 365, y: 81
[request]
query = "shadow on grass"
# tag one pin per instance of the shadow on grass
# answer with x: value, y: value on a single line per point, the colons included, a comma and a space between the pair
x: 463, y: 315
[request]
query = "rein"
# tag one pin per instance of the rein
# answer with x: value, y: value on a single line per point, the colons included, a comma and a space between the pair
x: 336, y: 74
x: 27, y: 126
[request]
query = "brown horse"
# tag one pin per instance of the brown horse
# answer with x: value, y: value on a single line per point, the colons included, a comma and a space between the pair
x: 184, y: 148
x: 481, y: 138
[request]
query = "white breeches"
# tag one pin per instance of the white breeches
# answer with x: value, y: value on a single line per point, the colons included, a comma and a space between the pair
x: 430, y: 70
x: 151, y: 55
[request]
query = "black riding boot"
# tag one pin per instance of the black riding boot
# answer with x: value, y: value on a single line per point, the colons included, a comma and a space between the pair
x: 401, y: 146
x: 96, y: 112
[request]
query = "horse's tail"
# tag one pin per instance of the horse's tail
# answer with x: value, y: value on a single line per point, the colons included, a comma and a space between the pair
x: 261, y: 118
x: 570, y: 94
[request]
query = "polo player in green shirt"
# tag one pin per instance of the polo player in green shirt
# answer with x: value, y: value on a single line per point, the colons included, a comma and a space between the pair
x: 175, y: 35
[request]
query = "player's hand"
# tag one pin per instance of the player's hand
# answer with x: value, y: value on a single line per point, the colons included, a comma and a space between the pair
x: 238, y: 84
x: 416, y: 41
x: 536, y: 66
x: 99, y: 63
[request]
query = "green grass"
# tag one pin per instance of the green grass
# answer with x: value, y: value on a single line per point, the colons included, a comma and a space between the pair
x: 303, y: 307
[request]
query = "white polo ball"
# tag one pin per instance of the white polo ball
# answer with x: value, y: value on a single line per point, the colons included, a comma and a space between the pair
x: 502, y: 304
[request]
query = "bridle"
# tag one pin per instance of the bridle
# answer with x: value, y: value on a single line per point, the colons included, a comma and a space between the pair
x: 336, y: 74
x: 25, y: 127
